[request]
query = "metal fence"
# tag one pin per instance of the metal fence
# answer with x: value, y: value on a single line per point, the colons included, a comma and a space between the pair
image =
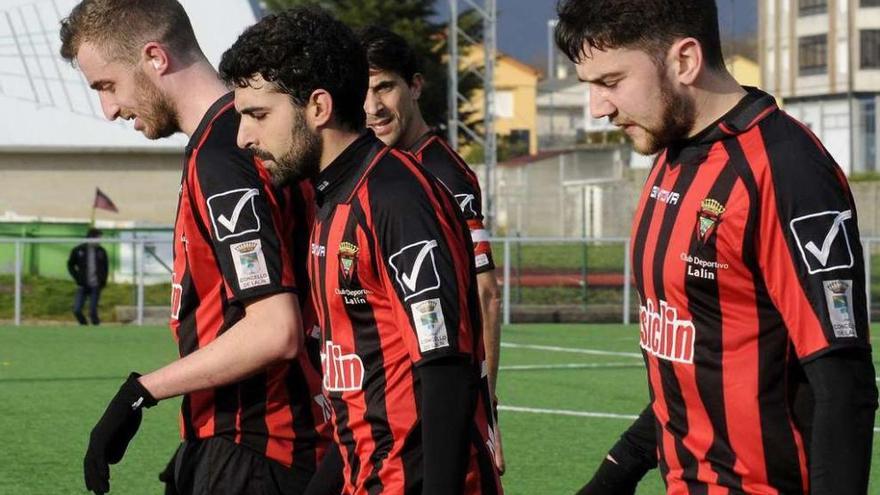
x: 543, y: 279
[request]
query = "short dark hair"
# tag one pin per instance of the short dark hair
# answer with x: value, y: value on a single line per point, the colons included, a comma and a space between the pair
x: 93, y: 233
x: 648, y: 25
x: 301, y: 50
x: 120, y: 28
x: 388, y: 51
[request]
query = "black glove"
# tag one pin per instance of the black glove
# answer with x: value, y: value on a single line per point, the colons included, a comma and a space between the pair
x: 114, y: 430
x: 620, y: 476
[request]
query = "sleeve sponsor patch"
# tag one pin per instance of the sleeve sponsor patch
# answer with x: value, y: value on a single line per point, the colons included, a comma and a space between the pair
x: 430, y: 325
x: 415, y: 268
x: 823, y: 240
x: 481, y: 260
x: 233, y: 213
x: 838, y: 295
x: 250, y: 264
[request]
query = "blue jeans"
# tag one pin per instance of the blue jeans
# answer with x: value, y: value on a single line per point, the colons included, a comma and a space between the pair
x: 94, y: 294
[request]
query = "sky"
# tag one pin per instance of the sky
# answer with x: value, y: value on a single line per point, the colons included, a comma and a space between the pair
x: 522, y: 24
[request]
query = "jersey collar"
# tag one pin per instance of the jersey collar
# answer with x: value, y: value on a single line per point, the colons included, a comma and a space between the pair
x: 754, y: 107
x: 336, y: 182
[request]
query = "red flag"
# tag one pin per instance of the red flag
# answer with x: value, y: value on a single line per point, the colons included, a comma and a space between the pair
x: 104, y: 202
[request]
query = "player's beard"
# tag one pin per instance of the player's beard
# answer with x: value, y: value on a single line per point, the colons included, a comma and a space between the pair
x: 677, y: 118
x: 301, y: 160
x: 155, y: 109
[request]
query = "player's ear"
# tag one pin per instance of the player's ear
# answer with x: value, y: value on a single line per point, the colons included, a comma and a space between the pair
x: 154, y: 58
x: 687, y: 60
x: 416, y: 85
x: 319, y: 109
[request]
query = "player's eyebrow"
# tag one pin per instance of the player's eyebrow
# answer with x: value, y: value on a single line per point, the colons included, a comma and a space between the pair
x: 602, y: 77
x: 99, y: 84
x: 252, y: 110
x: 384, y: 84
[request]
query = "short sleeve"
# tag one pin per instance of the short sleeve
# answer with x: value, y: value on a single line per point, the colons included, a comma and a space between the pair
x: 808, y: 246
x: 424, y: 259
x: 461, y: 181
x: 237, y: 211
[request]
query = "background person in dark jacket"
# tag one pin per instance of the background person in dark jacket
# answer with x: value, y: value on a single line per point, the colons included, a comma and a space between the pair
x: 88, y: 267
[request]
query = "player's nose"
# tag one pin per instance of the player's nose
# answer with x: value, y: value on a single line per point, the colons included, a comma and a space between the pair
x: 600, y: 106
x: 245, y: 137
x: 109, y: 107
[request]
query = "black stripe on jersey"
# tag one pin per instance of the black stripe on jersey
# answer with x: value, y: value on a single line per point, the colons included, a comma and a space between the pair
x: 641, y: 235
x: 675, y: 404
x: 305, y: 433
x: 252, y: 394
x: 225, y: 410
x: 321, y: 293
x: 704, y: 305
x: 368, y: 343
x: 780, y: 449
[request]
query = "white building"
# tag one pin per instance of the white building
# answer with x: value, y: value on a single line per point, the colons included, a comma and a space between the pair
x: 822, y: 58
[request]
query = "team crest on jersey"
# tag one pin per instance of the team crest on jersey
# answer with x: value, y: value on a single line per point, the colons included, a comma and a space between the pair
x: 708, y: 218
x: 250, y: 264
x: 347, y: 259
x: 838, y: 295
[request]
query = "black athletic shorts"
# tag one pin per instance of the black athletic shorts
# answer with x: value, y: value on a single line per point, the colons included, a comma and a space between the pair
x: 218, y: 466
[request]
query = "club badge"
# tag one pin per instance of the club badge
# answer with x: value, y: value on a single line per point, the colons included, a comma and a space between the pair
x: 347, y: 259
x: 708, y: 218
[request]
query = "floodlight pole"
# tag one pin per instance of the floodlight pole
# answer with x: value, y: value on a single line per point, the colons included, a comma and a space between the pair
x: 487, y: 11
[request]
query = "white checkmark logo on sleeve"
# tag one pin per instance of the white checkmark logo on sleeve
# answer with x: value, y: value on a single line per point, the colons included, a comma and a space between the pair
x: 822, y: 254
x: 410, y: 279
x: 236, y: 213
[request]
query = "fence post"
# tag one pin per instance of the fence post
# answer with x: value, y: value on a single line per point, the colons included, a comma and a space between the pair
x: 505, y: 292
x: 867, y: 256
x: 18, y: 261
x: 627, y: 270
x: 140, y: 282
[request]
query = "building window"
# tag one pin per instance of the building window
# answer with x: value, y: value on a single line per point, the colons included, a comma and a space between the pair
x: 870, y: 49
x: 504, y: 104
x: 813, y: 55
x: 811, y: 7
x: 870, y: 3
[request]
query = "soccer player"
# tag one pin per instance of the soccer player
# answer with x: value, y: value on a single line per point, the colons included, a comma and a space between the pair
x: 252, y: 416
x: 391, y: 264
x: 393, y: 113
x: 747, y: 261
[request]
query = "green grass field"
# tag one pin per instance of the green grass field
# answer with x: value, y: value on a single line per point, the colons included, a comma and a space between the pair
x: 55, y: 381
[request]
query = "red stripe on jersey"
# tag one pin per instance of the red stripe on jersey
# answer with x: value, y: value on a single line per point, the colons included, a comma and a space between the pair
x: 800, y: 316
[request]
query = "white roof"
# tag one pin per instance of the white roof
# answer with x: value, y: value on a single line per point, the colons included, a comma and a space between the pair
x: 47, y: 105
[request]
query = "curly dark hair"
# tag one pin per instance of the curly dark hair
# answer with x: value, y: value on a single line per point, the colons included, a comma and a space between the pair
x: 301, y: 50
x: 648, y: 25
x: 388, y: 51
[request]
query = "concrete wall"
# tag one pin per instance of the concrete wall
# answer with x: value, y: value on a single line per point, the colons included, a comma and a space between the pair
x: 144, y: 186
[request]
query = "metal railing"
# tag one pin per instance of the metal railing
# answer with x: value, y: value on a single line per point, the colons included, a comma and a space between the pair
x: 539, y: 267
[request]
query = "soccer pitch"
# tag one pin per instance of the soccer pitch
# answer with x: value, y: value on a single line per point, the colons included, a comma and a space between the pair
x: 567, y: 393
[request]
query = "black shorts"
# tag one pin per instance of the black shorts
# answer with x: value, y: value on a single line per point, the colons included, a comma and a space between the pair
x: 218, y: 466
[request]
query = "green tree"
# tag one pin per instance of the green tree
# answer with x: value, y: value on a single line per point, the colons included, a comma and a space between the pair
x: 415, y: 20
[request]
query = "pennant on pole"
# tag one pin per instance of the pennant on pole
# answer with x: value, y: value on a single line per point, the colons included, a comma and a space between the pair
x: 104, y: 202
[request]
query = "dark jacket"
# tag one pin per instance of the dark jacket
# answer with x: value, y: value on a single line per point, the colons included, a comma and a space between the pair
x: 78, y: 265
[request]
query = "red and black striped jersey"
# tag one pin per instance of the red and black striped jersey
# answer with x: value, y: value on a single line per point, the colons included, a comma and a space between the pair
x: 393, y: 278
x: 435, y: 155
x: 748, y: 263
x: 237, y: 238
